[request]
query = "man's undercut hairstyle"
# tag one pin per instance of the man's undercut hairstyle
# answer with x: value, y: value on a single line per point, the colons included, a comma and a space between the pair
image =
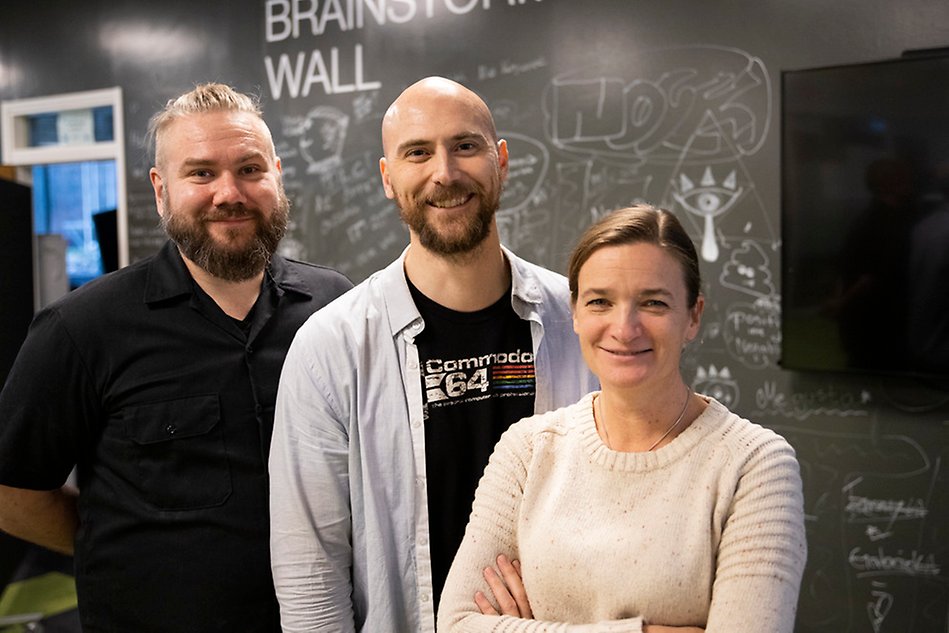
x: 208, y: 97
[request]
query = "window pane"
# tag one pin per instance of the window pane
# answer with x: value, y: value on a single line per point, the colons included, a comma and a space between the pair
x: 66, y: 199
x: 94, y: 125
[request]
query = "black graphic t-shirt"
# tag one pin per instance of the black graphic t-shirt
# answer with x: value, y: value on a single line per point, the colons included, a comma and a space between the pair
x: 477, y: 379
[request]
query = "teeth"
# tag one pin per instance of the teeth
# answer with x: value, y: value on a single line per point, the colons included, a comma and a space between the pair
x: 446, y: 204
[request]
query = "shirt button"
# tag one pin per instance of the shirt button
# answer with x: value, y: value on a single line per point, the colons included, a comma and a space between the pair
x: 422, y: 539
x: 171, y: 429
x: 425, y: 597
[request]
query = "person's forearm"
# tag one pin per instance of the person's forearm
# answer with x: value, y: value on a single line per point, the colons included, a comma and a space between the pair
x: 48, y: 518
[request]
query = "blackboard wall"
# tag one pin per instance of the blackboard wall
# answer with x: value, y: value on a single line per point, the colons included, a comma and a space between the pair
x: 603, y: 102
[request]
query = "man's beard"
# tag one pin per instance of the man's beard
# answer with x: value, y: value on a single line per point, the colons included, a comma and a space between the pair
x: 222, y: 260
x: 471, y: 230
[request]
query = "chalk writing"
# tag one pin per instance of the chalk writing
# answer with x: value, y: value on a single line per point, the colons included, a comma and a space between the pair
x: 506, y: 68
x: 658, y: 116
x: 880, y: 563
x: 752, y: 332
x: 865, y: 509
x: 879, y: 606
x: 801, y: 405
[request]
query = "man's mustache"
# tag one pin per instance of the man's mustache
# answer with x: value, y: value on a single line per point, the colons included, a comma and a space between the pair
x: 228, y: 212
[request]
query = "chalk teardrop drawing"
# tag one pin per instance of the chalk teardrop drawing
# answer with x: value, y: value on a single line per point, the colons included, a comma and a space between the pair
x: 708, y: 200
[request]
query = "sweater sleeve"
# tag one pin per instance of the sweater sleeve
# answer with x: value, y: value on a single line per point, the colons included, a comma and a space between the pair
x: 491, y: 531
x: 762, y: 551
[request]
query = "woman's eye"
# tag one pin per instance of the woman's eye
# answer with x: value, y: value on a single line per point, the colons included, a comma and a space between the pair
x: 656, y: 303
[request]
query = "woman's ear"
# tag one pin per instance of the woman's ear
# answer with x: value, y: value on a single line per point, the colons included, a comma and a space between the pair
x: 695, y: 318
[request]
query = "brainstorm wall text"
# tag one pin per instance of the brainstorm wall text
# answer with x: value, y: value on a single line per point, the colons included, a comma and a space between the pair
x: 295, y: 74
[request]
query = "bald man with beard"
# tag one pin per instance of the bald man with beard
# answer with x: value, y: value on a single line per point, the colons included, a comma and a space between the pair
x: 393, y: 398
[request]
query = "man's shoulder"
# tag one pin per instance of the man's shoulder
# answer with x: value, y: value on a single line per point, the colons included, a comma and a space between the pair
x: 315, y: 271
x: 362, y: 302
x: 103, y: 293
x: 547, y: 280
x: 320, y: 280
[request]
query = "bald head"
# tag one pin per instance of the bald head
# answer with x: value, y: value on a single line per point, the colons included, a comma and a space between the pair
x: 428, y: 97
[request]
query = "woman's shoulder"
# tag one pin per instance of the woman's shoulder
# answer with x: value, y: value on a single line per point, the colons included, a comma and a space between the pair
x: 743, y: 439
x: 560, y: 422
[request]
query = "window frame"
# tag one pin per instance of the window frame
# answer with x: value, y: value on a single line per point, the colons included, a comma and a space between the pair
x: 14, y: 126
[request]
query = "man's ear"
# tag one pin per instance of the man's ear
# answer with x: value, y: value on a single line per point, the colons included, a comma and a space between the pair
x: 158, y: 184
x: 502, y: 158
x: 386, y: 183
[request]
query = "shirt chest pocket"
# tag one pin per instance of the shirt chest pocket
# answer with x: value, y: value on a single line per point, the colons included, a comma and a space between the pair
x: 178, y: 455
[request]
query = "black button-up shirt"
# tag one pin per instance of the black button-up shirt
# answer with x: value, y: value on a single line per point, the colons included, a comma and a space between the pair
x: 166, y: 405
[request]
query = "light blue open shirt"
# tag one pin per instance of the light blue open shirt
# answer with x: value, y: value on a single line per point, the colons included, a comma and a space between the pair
x: 349, y: 510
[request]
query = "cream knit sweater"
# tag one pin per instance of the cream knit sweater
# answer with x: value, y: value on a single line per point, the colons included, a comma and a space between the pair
x: 707, y: 531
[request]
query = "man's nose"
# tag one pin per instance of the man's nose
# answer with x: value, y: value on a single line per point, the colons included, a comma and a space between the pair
x: 228, y: 190
x: 445, y: 168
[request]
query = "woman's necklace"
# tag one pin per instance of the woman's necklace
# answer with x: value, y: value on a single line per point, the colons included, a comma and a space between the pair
x: 606, y: 433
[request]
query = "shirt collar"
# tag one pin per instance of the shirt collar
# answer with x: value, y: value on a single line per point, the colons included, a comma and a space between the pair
x: 403, y: 313
x: 524, y: 283
x: 168, y: 277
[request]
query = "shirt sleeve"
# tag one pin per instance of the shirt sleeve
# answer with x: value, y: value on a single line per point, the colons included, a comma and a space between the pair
x: 491, y: 531
x: 311, y: 533
x: 48, y: 407
x: 763, y: 549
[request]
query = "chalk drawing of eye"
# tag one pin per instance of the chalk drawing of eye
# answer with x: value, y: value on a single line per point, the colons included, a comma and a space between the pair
x: 708, y: 200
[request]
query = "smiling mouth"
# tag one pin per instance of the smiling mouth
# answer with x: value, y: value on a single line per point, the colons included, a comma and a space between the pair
x: 451, y: 203
x: 230, y: 218
x: 626, y: 353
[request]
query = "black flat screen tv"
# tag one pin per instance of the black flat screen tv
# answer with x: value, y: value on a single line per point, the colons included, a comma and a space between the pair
x: 865, y: 217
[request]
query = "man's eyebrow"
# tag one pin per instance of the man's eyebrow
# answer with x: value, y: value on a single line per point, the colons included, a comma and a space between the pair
x: 411, y: 143
x: 196, y: 162
x: 205, y: 162
x: 254, y: 155
x: 420, y: 142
